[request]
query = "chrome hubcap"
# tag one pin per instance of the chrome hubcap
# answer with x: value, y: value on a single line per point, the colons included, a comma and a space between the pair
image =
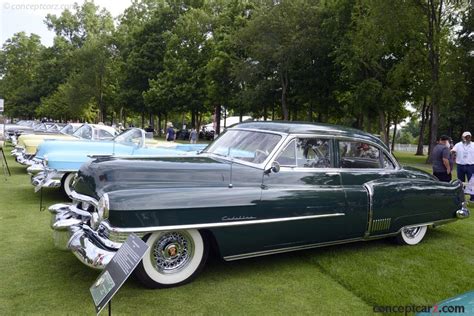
x: 172, y: 252
x: 411, y: 232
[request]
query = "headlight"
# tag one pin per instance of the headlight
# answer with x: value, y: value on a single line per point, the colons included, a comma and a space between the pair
x: 103, y: 207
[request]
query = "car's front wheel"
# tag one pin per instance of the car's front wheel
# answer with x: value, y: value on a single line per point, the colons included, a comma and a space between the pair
x: 66, y: 183
x: 173, y: 258
x: 411, y: 235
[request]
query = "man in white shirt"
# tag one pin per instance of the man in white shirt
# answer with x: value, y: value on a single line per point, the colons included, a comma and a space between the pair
x: 465, y: 158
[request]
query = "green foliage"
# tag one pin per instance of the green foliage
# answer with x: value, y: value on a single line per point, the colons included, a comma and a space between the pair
x: 351, y: 62
x: 19, y: 61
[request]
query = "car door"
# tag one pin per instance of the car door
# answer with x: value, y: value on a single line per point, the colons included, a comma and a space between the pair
x: 361, y: 162
x: 309, y: 186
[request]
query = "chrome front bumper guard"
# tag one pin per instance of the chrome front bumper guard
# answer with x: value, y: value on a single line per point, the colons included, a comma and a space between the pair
x: 36, y: 167
x: 463, y: 212
x: 72, y: 231
x: 24, y: 160
x: 43, y: 180
x: 21, y: 157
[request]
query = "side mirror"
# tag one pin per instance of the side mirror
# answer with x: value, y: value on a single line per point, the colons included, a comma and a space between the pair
x: 275, y: 168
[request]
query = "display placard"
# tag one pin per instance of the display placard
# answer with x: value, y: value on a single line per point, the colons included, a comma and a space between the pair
x: 117, y: 271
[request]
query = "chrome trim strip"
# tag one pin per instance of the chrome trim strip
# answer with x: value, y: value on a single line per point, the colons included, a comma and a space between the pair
x: 294, y: 248
x: 214, y: 225
x: 84, y: 198
x: 370, y: 196
x: 338, y: 242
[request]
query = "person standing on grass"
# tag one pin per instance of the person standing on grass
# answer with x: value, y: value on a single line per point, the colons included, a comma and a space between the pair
x: 440, y: 157
x: 170, y: 133
x: 464, y: 151
x: 193, y: 136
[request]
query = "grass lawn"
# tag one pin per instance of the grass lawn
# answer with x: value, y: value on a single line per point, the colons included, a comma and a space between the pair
x: 36, y: 278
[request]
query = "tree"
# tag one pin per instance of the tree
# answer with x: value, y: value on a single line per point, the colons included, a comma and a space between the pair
x: 274, y: 41
x: 19, y: 61
x: 87, y: 35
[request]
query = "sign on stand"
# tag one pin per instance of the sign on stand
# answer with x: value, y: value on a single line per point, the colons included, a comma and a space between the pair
x: 1, y: 106
x: 117, y: 271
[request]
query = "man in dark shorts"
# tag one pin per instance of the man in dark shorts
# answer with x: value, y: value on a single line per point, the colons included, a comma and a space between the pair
x: 440, y: 156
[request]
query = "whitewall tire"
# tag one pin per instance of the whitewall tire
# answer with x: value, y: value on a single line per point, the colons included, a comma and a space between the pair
x: 173, y: 258
x: 412, y: 235
x: 66, y: 183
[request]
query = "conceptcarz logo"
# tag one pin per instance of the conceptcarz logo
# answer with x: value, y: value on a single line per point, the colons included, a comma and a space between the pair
x: 408, y: 309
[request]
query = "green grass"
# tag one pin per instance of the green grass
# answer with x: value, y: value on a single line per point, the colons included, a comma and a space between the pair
x: 36, y: 278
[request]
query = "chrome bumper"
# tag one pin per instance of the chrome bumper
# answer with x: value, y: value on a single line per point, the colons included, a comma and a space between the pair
x: 71, y: 231
x: 25, y: 160
x: 21, y: 157
x: 36, y: 167
x: 47, y: 178
x: 463, y: 212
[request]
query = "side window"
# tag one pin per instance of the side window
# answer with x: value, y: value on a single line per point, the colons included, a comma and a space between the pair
x: 358, y: 155
x: 103, y: 134
x: 313, y: 153
x: 87, y: 132
x: 387, y: 163
x: 306, y: 153
x: 288, y: 156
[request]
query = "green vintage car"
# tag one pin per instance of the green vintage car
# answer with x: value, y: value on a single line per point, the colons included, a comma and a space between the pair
x: 261, y: 188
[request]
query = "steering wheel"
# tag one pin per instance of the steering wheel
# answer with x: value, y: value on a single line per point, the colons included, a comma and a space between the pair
x: 260, y: 153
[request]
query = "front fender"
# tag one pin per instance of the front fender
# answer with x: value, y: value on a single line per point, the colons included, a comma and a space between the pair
x: 179, y: 206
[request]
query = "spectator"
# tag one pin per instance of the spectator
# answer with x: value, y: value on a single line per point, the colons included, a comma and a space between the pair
x: 441, y: 159
x: 170, y: 133
x: 193, y: 136
x: 465, y: 158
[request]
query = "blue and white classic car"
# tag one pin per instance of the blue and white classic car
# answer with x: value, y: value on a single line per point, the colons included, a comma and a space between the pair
x: 27, y: 147
x: 57, y: 161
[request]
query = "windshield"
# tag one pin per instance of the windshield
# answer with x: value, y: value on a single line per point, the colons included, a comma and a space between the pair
x: 85, y: 131
x: 68, y: 129
x: 248, y: 146
x: 130, y: 137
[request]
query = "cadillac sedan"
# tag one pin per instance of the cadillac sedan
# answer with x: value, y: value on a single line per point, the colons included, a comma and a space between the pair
x: 261, y: 188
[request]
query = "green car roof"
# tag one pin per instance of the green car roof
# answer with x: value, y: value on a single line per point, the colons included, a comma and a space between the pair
x: 311, y: 128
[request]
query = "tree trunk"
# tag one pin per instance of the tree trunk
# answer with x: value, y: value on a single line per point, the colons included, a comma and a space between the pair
x: 225, y: 118
x: 143, y: 118
x: 152, y: 121
x: 193, y: 119
x: 199, y: 121
x: 310, y: 112
x: 430, y: 131
x: 284, y: 91
x: 435, y: 12
x: 394, y: 135
x: 424, y: 116
x: 159, y: 124
x: 265, y: 111
x: 217, y: 118
x: 387, y: 131
x: 382, y: 127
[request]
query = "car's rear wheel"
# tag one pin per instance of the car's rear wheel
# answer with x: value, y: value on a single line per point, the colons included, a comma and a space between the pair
x: 411, y: 235
x: 173, y: 258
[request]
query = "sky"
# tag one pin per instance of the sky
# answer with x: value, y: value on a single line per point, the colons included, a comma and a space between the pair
x: 28, y: 15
